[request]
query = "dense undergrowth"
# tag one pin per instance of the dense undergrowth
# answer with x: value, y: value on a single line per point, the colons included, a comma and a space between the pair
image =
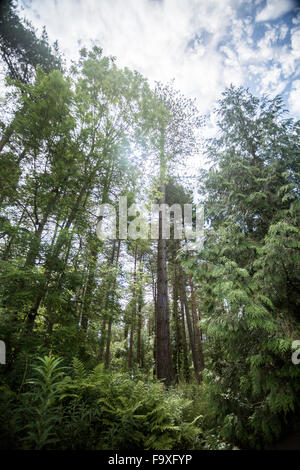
x: 49, y: 403
x: 60, y: 407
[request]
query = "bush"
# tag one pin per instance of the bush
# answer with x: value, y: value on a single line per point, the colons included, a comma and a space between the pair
x: 127, y: 414
x: 98, y: 409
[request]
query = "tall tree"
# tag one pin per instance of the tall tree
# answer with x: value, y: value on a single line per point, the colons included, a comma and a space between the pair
x: 173, y: 120
x: 23, y: 53
x: 252, y: 207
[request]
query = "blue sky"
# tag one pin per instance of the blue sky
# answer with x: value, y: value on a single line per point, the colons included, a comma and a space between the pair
x: 205, y: 45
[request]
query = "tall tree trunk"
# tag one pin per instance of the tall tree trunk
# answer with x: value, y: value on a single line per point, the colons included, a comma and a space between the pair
x: 154, y: 293
x: 126, y: 329
x: 163, y: 346
x: 185, y: 361
x: 177, y: 348
x: 190, y: 327
x: 110, y: 320
x: 133, y: 315
x: 89, y: 286
x: 197, y: 333
x: 139, y: 334
x: 139, y: 312
x: 102, y: 339
x: 104, y: 305
x: 107, y: 348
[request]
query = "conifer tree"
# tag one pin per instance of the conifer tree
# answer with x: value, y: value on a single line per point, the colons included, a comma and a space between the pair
x: 251, y: 193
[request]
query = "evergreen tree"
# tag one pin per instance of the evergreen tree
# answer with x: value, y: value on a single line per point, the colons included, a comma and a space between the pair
x: 20, y: 48
x: 252, y: 210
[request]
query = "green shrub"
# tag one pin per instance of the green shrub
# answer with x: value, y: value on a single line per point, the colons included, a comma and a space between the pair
x: 127, y: 414
x: 96, y: 409
x: 40, y: 405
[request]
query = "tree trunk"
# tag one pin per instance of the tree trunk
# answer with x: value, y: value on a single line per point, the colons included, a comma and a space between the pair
x: 197, y: 334
x: 176, y: 354
x: 102, y: 340
x: 163, y: 346
x: 190, y: 327
x: 89, y: 287
x: 154, y: 292
x: 104, y: 306
x: 184, y: 341
x: 110, y: 321
x: 133, y: 315
x: 140, y: 321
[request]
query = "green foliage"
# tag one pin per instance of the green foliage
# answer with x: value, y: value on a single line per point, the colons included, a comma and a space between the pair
x: 99, y: 410
x: 248, y: 270
x: 21, y: 50
x: 40, y: 404
x: 130, y: 414
x: 8, y: 417
x: 81, y: 140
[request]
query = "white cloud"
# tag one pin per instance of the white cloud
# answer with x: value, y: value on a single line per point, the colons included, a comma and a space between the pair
x: 271, y: 77
x: 283, y: 31
x: 295, y: 42
x: 149, y: 36
x: 296, y: 19
x: 287, y: 62
x: 204, y: 45
x: 274, y: 9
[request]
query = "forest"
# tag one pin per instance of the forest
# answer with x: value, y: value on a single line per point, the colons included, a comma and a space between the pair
x: 137, y: 342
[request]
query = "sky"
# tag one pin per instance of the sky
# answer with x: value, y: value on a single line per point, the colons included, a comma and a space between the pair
x: 204, y: 45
